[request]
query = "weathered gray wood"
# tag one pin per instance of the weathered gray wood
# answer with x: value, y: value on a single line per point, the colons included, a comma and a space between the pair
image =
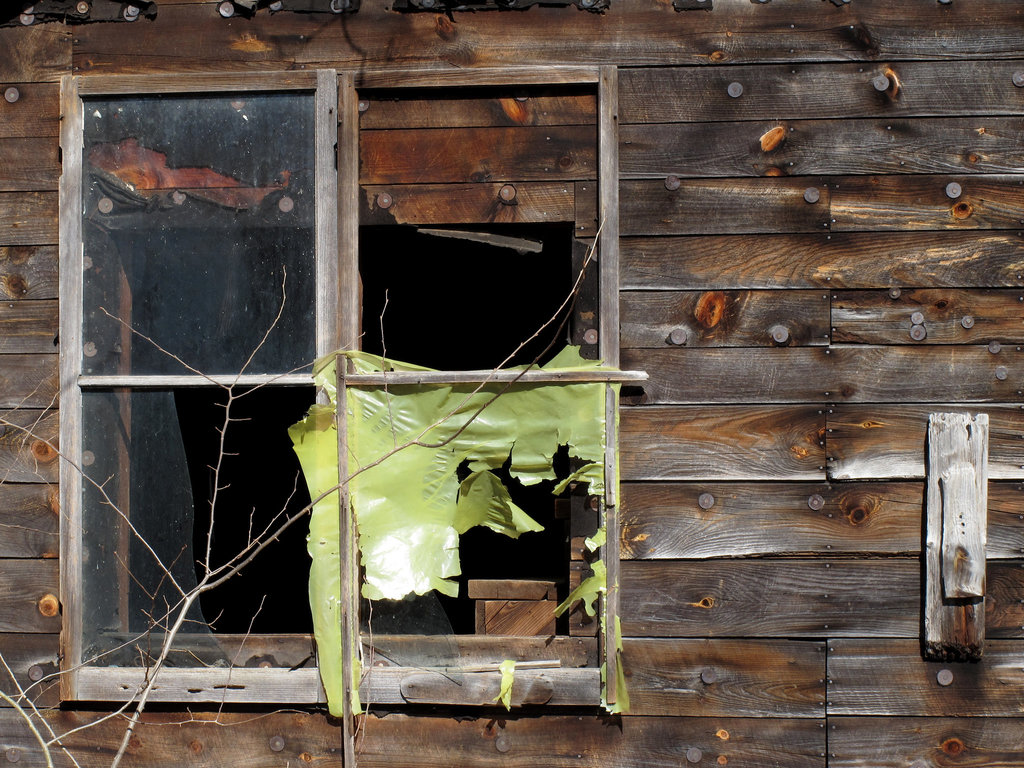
x: 838, y: 374
x: 1005, y: 520
x: 327, y: 206
x: 891, y: 203
x: 387, y: 75
x: 28, y: 164
x: 197, y: 82
x: 474, y: 650
x: 34, y: 115
x: 956, y: 519
x: 889, y: 677
x: 725, y: 677
x: 28, y: 381
x: 28, y: 327
x: 723, y: 318
x: 815, y: 147
x: 837, y: 260
x: 459, y: 155
x: 481, y: 689
x: 772, y: 598
x: 950, y: 316
x: 888, y: 441
x: 40, y: 52
x: 28, y: 218
x: 28, y: 520
x: 467, y: 203
x: 28, y: 596
x: 33, y: 659
x: 28, y: 446
x: 941, y: 89
x: 895, y: 742
x: 722, y: 442
x: 28, y: 272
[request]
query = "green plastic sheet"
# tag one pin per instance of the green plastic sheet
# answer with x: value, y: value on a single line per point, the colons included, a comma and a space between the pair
x: 508, y: 677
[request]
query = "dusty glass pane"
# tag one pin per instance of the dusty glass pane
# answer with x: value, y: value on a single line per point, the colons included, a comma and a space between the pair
x: 198, y: 230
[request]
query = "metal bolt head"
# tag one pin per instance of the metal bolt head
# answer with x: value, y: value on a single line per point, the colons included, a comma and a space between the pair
x: 35, y: 673
x: 12, y: 94
x: 275, y: 6
x: 708, y: 676
x: 816, y: 501
x: 507, y: 193
x: 27, y: 19
x: 426, y: 3
x: 82, y: 7
x: 590, y: 336
x: 131, y: 12
x: 945, y: 2
x: 693, y: 755
x: 678, y: 336
x: 285, y: 204
x: 880, y: 82
x: 384, y: 200
x: 105, y: 205
x: 1001, y: 372
x: 1018, y: 79
x: 994, y: 347
x: 13, y: 755
x: 918, y: 333
x: 706, y: 501
x: 276, y: 743
x: 895, y: 293
x: 917, y: 318
x: 501, y: 743
x: 779, y: 333
x: 672, y: 182
x: 364, y: 104
x: 337, y: 6
x: 967, y: 321
x: 735, y: 89
x: 178, y: 197
x: 944, y: 677
x: 953, y: 190
x: 226, y: 9
x: 812, y: 195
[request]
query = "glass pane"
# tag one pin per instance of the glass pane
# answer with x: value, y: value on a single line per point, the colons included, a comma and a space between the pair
x: 146, y: 520
x: 198, y: 230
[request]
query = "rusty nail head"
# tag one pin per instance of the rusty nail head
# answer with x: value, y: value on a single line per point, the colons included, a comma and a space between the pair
x: 917, y: 318
x: 918, y: 333
x: 994, y: 347
x: 384, y: 200
x: 105, y: 205
x: 672, y: 182
x: 1001, y: 372
x: 13, y: 755
x: 953, y: 190
x: 590, y: 336
x: 678, y: 336
x: 693, y: 755
x: 226, y: 9
x: 26, y: 19
x: 82, y: 7
x: 967, y: 321
x: 895, y: 293
x: 812, y: 195
x: 816, y: 501
x: 881, y: 82
x: 706, y: 501
x: 12, y: 94
x: 708, y: 676
x: 507, y: 193
x: 131, y: 12
x: 1018, y: 79
x: 364, y: 104
x: 780, y: 334
x: 735, y: 89
x: 286, y: 204
x: 276, y: 743
x: 501, y: 743
x: 944, y: 677
x: 35, y: 673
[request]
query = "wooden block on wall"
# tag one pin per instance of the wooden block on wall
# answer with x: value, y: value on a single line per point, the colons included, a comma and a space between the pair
x: 515, y: 617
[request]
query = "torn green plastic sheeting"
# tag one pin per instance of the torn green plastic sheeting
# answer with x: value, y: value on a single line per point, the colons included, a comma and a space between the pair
x: 405, y: 446
x: 588, y: 590
x: 597, y: 540
x: 508, y: 675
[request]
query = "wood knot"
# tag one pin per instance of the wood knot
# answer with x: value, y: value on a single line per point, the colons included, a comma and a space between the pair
x: 706, y: 602
x: 962, y: 210
x: 718, y: 55
x: 857, y: 509
x: 195, y: 746
x: 48, y: 605
x: 306, y: 757
x: 772, y: 170
x: 773, y: 139
x: 43, y: 452
x: 565, y: 162
x: 953, y: 746
x: 445, y: 27
x: 710, y: 308
x: 515, y: 111
x: 53, y: 500
x: 15, y: 286
x: 722, y: 734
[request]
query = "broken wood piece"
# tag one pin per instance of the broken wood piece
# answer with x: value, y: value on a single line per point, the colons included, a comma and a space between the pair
x: 511, y: 589
x: 955, y: 536
x: 515, y: 617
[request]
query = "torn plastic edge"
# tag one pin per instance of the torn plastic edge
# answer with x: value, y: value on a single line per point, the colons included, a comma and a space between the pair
x: 508, y: 674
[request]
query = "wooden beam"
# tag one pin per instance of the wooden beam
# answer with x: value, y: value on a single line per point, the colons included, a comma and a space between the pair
x: 534, y: 202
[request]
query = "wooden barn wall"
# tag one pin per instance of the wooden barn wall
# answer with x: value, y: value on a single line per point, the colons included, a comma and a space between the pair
x: 787, y: 234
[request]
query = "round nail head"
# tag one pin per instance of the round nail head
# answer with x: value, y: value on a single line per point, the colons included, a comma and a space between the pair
x: 994, y: 347
x: 501, y: 743
x: 708, y: 676
x: 26, y: 19
x: 816, y: 501
x: 672, y: 182
x: 880, y: 82
x: 967, y: 321
x: 384, y: 200
x: 286, y: 204
x: 917, y: 318
x: 678, y: 336
x: 591, y: 336
x: 364, y: 105
x: 178, y: 197
x: 131, y: 12
x: 277, y: 743
x: 105, y: 205
x: 12, y: 94
x: 944, y: 677
x: 812, y: 195
x: 918, y: 333
x: 706, y: 501
x: 13, y: 755
x: 35, y: 673
x: 735, y: 90
x: 780, y: 334
x: 82, y: 7
x: 507, y: 193
x: 1018, y: 79
x: 693, y: 755
x: 953, y: 190
x: 1001, y: 372
x: 895, y: 293
x: 226, y: 9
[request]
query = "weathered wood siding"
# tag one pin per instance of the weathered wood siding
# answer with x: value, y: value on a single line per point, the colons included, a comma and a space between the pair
x: 788, y: 235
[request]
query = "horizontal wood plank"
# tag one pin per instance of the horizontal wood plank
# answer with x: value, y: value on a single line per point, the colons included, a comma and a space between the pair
x: 28, y: 520
x: 838, y: 374
x: 28, y: 596
x: 1004, y: 611
x: 467, y: 203
x: 722, y: 442
x: 760, y: 678
x: 837, y: 260
x: 28, y: 164
x: 722, y: 318
x: 28, y: 327
x: 667, y: 521
x: 28, y: 446
x: 950, y: 316
x: 39, y: 52
x: 33, y: 658
x: 28, y: 218
x: 28, y: 272
x: 28, y: 381
x: 36, y: 113
x: 677, y: 95
x: 896, y: 742
x: 887, y: 441
x: 461, y: 109
x: 464, y: 155
x: 891, y: 203
x: 771, y: 598
x: 889, y: 677
x: 820, y: 147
